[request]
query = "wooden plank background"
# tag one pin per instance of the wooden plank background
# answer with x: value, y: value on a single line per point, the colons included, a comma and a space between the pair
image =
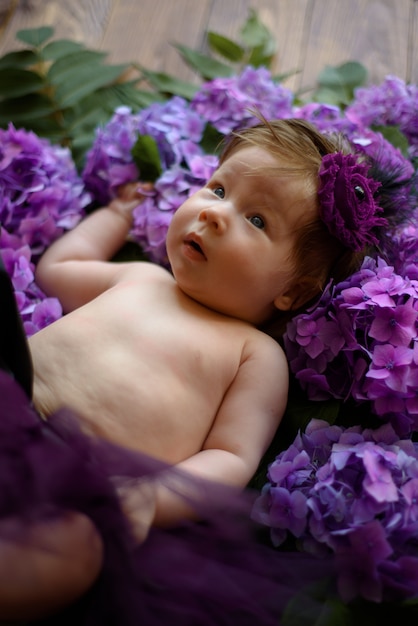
x: 381, y: 34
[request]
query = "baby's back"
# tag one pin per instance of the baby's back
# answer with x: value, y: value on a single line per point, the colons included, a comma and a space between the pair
x: 145, y: 367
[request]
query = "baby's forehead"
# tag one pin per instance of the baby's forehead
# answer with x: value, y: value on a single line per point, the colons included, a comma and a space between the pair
x: 263, y: 159
x: 273, y: 181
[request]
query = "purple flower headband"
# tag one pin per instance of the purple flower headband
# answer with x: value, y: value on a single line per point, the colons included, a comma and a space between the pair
x: 347, y: 204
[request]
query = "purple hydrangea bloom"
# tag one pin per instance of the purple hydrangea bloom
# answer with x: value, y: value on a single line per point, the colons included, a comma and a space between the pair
x: 391, y: 103
x: 327, y: 118
x: 109, y: 161
x: 369, y: 355
x: 349, y: 492
x: 229, y: 103
x: 41, y: 196
x: 41, y: 192
x: 177, y: 130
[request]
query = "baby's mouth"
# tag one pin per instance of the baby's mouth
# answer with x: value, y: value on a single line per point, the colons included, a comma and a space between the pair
x: 192, y: 243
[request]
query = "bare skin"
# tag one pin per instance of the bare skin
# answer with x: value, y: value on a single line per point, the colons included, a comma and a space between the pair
x: 51, y: 566
x: 221, y: 387
x: 173, y: 365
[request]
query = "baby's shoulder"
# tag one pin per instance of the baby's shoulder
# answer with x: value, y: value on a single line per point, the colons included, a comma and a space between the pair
x: 260, y: 345
x: 144, y: 271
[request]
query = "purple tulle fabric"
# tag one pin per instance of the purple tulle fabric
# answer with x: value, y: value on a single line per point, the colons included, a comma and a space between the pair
x: 216, y: 571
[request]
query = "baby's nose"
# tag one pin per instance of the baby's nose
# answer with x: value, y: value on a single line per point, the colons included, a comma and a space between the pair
x: 214, y: 217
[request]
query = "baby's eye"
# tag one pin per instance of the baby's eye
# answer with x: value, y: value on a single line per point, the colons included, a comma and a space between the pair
x: 220, y: 192
x: 257, y: 221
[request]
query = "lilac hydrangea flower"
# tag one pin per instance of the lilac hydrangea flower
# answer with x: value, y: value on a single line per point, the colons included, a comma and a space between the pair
x: 369, y: 355
x: 391, y: 103
x: 41, y: 196
x: 328, y: 118
x: 177, y: 130
x: 349, y: 492
x: 228, y: 103
x: 42, y: 193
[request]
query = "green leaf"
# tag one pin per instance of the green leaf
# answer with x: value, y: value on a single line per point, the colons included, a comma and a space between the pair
x: 17, y: 82
x: 279, y: 78
x: 24, y: 109
x: 206, y: 67
x: 225, y: 47
x: 68, y: 94
x: 313, y: 605
x: 146, y: 157
x: 342, y: 81
x: 35, y: 36
x: 19, y: 59
x: 169, y: 85
x: 337, y: 96
x: 395, y: 136
x: 89, y: 113
x: 211, y: 140
x: 261, y: 56
x: 47, y: 127
x: 353, y: 74
x: 66, y: 67
x: 254, y: 33
x: 60, y: 48
x: 127, y: 93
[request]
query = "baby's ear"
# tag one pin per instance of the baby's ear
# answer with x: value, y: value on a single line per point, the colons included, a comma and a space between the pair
x: 298, y: 294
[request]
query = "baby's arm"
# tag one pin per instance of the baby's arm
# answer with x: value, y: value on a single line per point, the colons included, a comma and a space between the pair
x: 75, y: 268
x: 244, y: 427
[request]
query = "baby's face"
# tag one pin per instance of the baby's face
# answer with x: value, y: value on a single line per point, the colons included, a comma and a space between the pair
x: 230, y: 243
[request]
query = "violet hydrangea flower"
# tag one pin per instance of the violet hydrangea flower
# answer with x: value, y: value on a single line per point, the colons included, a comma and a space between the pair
x: 177, y: 130
x: 369, y: 355
x: 391, y: 103
x: 229, y: 103
x: 351, y: 493
x: 41, y: 196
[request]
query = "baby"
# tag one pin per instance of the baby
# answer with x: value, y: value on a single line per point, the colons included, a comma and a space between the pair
x: 173, y: 364
x: 176, y: 364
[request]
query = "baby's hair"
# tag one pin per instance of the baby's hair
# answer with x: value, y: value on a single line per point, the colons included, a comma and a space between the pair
x: 317, y: 256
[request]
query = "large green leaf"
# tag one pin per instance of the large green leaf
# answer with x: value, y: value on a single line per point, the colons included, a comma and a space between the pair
x: 166, y: 84
x: 71, y: 92
x: 336, y: 84
x: 315, y: 605
x: 35, y: 36
x: 260, y: 42
x: 206, y: 67
x: 19, y: 59
x: 90, y: 112
x: 59, y: 48
x: 23, y: 110
x: 395, y: 136
x: 16, y: 82
x: 68, y: 66
x: 226, y: 47
x: 254, y: 33
x: 261, y: 55
x: 146, y: 157
x: 129, y: 94
x: 211, y: 140
x: 49, y: 128
x: 337, y: 95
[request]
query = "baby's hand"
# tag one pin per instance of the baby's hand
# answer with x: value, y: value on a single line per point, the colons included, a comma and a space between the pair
x: 128, y: 197
x: 138, y: 501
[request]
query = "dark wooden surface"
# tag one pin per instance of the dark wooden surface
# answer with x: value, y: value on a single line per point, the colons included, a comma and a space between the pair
x: 382, y: 34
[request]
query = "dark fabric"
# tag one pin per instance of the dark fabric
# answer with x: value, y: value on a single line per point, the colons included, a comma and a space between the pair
x: 215, y: 572
x: 14, y: 351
